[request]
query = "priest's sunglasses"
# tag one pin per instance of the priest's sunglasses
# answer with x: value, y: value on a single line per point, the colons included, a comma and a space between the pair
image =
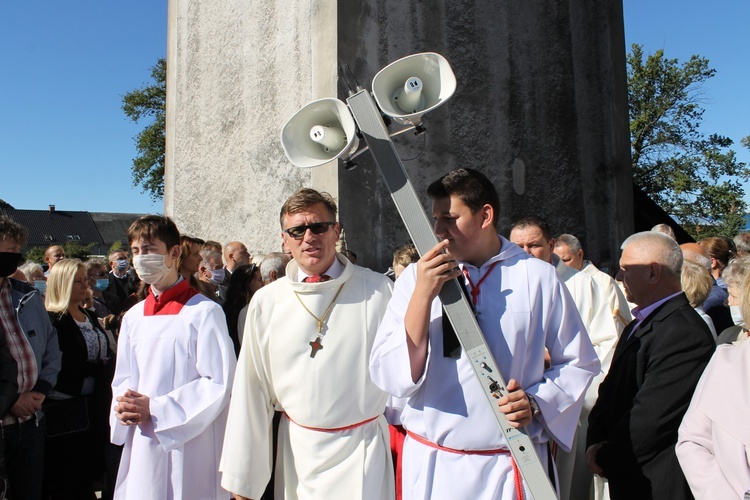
x: 297, y: 232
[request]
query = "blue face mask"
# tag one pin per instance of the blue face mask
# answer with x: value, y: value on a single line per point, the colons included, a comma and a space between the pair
x: 122, y: 264
x: 40, y: 285
x: 102, y: 284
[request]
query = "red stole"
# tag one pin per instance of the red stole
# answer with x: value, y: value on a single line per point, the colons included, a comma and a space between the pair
x: 170, y: 301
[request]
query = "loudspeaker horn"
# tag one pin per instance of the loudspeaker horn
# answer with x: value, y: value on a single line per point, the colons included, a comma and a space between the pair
x: 412, y: 86
x: 322, y: 131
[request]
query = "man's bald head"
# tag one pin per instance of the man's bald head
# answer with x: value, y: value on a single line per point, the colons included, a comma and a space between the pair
x: 696, y: 253
x: 235, y: 255
x: 53, y: 255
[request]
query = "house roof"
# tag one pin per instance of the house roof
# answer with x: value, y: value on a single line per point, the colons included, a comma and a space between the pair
x: 49, y: 227
x: 113, y: 226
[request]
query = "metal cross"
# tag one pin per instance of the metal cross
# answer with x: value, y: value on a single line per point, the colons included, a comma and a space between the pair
x: 315, y: 346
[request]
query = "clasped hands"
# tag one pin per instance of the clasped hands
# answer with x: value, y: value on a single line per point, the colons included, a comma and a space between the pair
x: 132, y: 408
x: 27, y: 404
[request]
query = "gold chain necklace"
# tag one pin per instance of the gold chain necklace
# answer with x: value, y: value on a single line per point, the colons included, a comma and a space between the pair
x: 317, y: 344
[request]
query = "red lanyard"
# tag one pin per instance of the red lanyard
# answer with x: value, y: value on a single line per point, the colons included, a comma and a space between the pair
x: 475, y: 288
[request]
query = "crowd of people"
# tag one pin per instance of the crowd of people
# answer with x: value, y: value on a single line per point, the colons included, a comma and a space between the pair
x: 184, y: 368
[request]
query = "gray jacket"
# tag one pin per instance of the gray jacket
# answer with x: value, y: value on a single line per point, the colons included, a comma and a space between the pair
x: 40, y: 333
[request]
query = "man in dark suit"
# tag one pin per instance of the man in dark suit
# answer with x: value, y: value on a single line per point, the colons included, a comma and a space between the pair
x: 657, y: 363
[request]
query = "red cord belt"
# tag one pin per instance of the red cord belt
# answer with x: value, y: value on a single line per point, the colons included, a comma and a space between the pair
x: 498, y: 451
x: 335, y: 429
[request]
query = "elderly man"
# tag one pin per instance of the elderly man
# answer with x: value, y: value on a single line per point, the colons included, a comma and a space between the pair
x: 568, y: 249
x: 122, y: 278
x: 454, y: 446
x: 273, y: 266
x: 533, y: 235
x: 307, y: 341
x: 211, y: 276
x: 32, y: 341
x: 656, y: 365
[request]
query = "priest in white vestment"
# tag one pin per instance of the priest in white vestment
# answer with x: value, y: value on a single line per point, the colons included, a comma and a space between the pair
x: 575, y: 477
x: 454, y: 446
x: 175, y: 364
x: 534, y: 235
x: 305, y: 353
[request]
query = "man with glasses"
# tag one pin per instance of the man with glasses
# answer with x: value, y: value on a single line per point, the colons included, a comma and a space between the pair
x: 306, y: 346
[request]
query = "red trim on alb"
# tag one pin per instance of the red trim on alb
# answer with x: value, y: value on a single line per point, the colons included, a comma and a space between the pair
x: 335, y: 429
x: 499, y: 451
x: 170, y: 301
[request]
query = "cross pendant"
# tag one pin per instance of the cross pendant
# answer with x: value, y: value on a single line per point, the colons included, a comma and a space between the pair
x: 315, y: 346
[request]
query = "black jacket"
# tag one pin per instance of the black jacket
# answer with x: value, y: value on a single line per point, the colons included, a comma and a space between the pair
x: 75, y: 365
x: 642, y: 401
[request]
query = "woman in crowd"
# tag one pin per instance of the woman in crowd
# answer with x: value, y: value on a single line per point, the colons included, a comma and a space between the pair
x: 246, y: 280
x: 721, y: 251
x: 34, y: 276
x: 77, y: 410
x: 714, y: 438
x: 697, y: 283
x: 190, y: 259
x: 734, y: 277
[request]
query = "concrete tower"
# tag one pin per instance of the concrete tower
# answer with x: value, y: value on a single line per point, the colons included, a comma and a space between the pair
x: 541, y: 108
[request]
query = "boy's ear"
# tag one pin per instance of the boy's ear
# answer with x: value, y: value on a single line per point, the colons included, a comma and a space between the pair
x: 488, y: 214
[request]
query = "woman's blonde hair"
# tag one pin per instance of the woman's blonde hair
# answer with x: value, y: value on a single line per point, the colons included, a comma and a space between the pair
x: 696, y: 282
x: 60, y: 285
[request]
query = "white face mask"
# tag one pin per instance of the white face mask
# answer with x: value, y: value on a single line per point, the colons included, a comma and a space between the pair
x: 150, y: 267
x: 217, y: 276
x: 737, y: 315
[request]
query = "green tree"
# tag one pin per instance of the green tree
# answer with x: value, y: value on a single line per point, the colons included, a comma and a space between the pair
x: 117, y: 245
x: 35, y: 254
x: 694, y: 177
x: 149, y: 102
x: 75, y: 250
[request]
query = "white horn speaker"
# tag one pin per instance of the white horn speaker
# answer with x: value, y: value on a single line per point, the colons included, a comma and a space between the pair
x: 322, y: 131
x: 412, y: 86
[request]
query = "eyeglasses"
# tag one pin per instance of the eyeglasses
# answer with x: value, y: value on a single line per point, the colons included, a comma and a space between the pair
x: 297, y: 232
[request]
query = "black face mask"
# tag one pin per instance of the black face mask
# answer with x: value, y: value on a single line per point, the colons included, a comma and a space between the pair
x: 9, y: 263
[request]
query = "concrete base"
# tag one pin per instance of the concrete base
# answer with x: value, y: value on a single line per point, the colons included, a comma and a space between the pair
x: 540, y: 108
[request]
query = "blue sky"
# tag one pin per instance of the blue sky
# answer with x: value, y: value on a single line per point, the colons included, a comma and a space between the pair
x: 65, y: 141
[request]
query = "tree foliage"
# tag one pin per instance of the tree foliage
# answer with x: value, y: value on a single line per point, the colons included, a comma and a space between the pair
x: 149, y: 102
x: 35, y: 254
x: 694, y: 177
